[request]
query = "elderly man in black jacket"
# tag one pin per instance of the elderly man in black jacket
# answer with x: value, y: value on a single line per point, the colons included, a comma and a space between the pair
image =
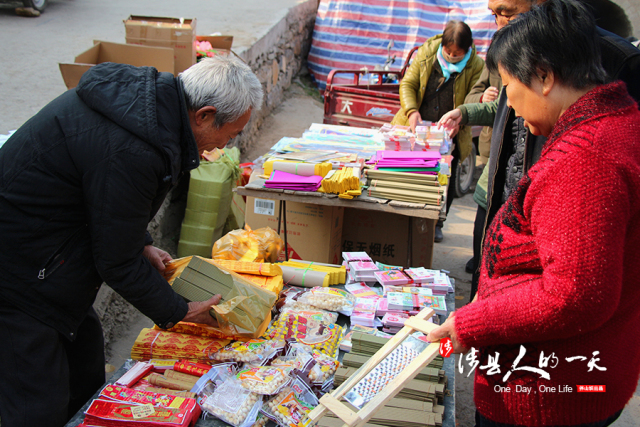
x: 79, y: 183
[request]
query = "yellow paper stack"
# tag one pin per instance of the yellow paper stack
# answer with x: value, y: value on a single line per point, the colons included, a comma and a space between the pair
x: 344, y: 182
x: 160, y: 344
x: 257, y: 268
x: 264, y: 274
x: 336, y: 273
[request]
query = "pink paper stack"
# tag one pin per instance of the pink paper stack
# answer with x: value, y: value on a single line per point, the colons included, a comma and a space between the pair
x: 289, y: 181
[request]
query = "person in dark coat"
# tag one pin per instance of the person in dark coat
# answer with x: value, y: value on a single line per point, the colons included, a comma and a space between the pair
x: 79, y: 183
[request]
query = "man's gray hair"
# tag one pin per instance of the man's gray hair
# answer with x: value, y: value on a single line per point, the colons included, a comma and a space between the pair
x: 224, y: 82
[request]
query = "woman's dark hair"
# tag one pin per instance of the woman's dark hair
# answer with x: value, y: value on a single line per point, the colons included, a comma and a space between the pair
x: 457, y: 33
x: 558, y: 36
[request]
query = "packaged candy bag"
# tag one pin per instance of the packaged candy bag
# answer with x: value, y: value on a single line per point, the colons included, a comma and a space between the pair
x: 314, y: 314
x: 329, y: 299
x: 253, y: 351
x: 233, y: 404
x: 323, y: 367
x: 320, y: 336
x: 263, y: 379
x: 291, y: 407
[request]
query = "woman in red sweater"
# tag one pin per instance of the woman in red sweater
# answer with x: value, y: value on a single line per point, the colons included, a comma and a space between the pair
x: 556, y: 321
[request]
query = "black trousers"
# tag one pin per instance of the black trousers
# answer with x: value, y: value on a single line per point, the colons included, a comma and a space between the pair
x: 478, y: 227
x: 45, y: 378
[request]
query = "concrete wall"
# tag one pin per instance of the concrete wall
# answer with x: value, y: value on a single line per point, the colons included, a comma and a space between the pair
x: 275, y: 58
x: 632, y: 9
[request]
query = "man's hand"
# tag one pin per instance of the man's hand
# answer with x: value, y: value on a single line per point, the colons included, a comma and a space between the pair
x: 199, y: 311
x: 414, y: 120
x: 157, y: 257
x: 451, y: 122
x: 448, y: 329
x: 490, y: 95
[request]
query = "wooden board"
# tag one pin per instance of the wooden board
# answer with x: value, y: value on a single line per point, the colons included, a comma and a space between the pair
x: 331, y: 402
x: 429, y: 212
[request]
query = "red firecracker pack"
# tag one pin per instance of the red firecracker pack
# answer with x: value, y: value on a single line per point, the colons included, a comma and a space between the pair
x: 115, y: 392
x: 106, y: 413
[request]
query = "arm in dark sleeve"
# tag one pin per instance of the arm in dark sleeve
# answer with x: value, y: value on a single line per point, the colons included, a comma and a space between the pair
x: 118, y: 195
x: 475, y: 95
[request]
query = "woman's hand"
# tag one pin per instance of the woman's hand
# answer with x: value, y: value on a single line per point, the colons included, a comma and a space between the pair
x: 414, y: 120
x: 451, y: 122
x: 157, y: 257
x: 490, y: 95
x: 448, y: 329
x: 199, y: 311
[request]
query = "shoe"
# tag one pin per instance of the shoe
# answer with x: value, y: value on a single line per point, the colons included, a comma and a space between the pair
x: 469, y: 267
x: 438, y: 237
x: 27, y: 11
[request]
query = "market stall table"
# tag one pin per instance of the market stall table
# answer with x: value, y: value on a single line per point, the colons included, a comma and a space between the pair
x: 430, y: 213
x: 449, y: 397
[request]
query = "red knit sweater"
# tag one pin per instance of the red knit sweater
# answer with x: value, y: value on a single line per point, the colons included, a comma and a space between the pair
x: 561, y: 273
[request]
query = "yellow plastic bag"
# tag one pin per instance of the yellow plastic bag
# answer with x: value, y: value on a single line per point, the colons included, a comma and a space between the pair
x: 261, y: 245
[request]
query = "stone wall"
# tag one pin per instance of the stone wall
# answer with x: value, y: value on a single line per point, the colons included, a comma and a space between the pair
x: 276, y: 58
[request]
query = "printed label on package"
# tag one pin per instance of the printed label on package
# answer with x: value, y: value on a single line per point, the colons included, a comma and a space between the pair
x: 264, y: 207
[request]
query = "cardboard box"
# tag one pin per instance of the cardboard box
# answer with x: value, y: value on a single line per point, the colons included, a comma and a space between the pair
x: 389, y: 238
x: 174, y: 33
x: 222, y: 44
x: 313, y: 231
x: 161, y: 58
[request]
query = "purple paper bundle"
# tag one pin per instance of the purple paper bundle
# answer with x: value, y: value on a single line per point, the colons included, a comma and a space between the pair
x: 289, y: 181
x: 405, y: 156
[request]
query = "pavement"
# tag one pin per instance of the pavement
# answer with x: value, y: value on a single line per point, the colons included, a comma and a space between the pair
x: 31, y: 48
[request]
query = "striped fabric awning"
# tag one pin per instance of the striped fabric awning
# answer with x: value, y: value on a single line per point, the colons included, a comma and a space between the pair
x: 353, y: 34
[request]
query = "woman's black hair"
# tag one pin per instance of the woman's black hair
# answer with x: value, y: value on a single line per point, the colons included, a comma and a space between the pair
x: 558, y: 36
x: 457, y: 33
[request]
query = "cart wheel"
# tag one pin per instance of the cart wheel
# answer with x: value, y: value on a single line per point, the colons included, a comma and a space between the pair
x: 465, y: 172
x: 38, y: 5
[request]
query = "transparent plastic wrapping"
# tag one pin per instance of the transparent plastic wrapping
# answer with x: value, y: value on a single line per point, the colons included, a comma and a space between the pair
x: 265, y: 380
x: 260, y: 245
x: 329, y: 299
x: 317, y: 314
x: 319, y: 336
x: 322, y: 367
x: 385, y: 372
x: 209, y: 382
x: 291, y: 407
x: 254, y: 351
x: 233, y: 404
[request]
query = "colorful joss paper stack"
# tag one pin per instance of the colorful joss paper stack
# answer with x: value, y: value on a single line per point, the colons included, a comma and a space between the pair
x: 160, y: 344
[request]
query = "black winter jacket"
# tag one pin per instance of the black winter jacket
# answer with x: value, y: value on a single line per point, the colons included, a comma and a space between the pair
x: 79, y: 183
x: 621, y: 61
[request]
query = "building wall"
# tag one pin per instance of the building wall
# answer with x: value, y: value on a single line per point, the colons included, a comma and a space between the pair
x: 632, y: 9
